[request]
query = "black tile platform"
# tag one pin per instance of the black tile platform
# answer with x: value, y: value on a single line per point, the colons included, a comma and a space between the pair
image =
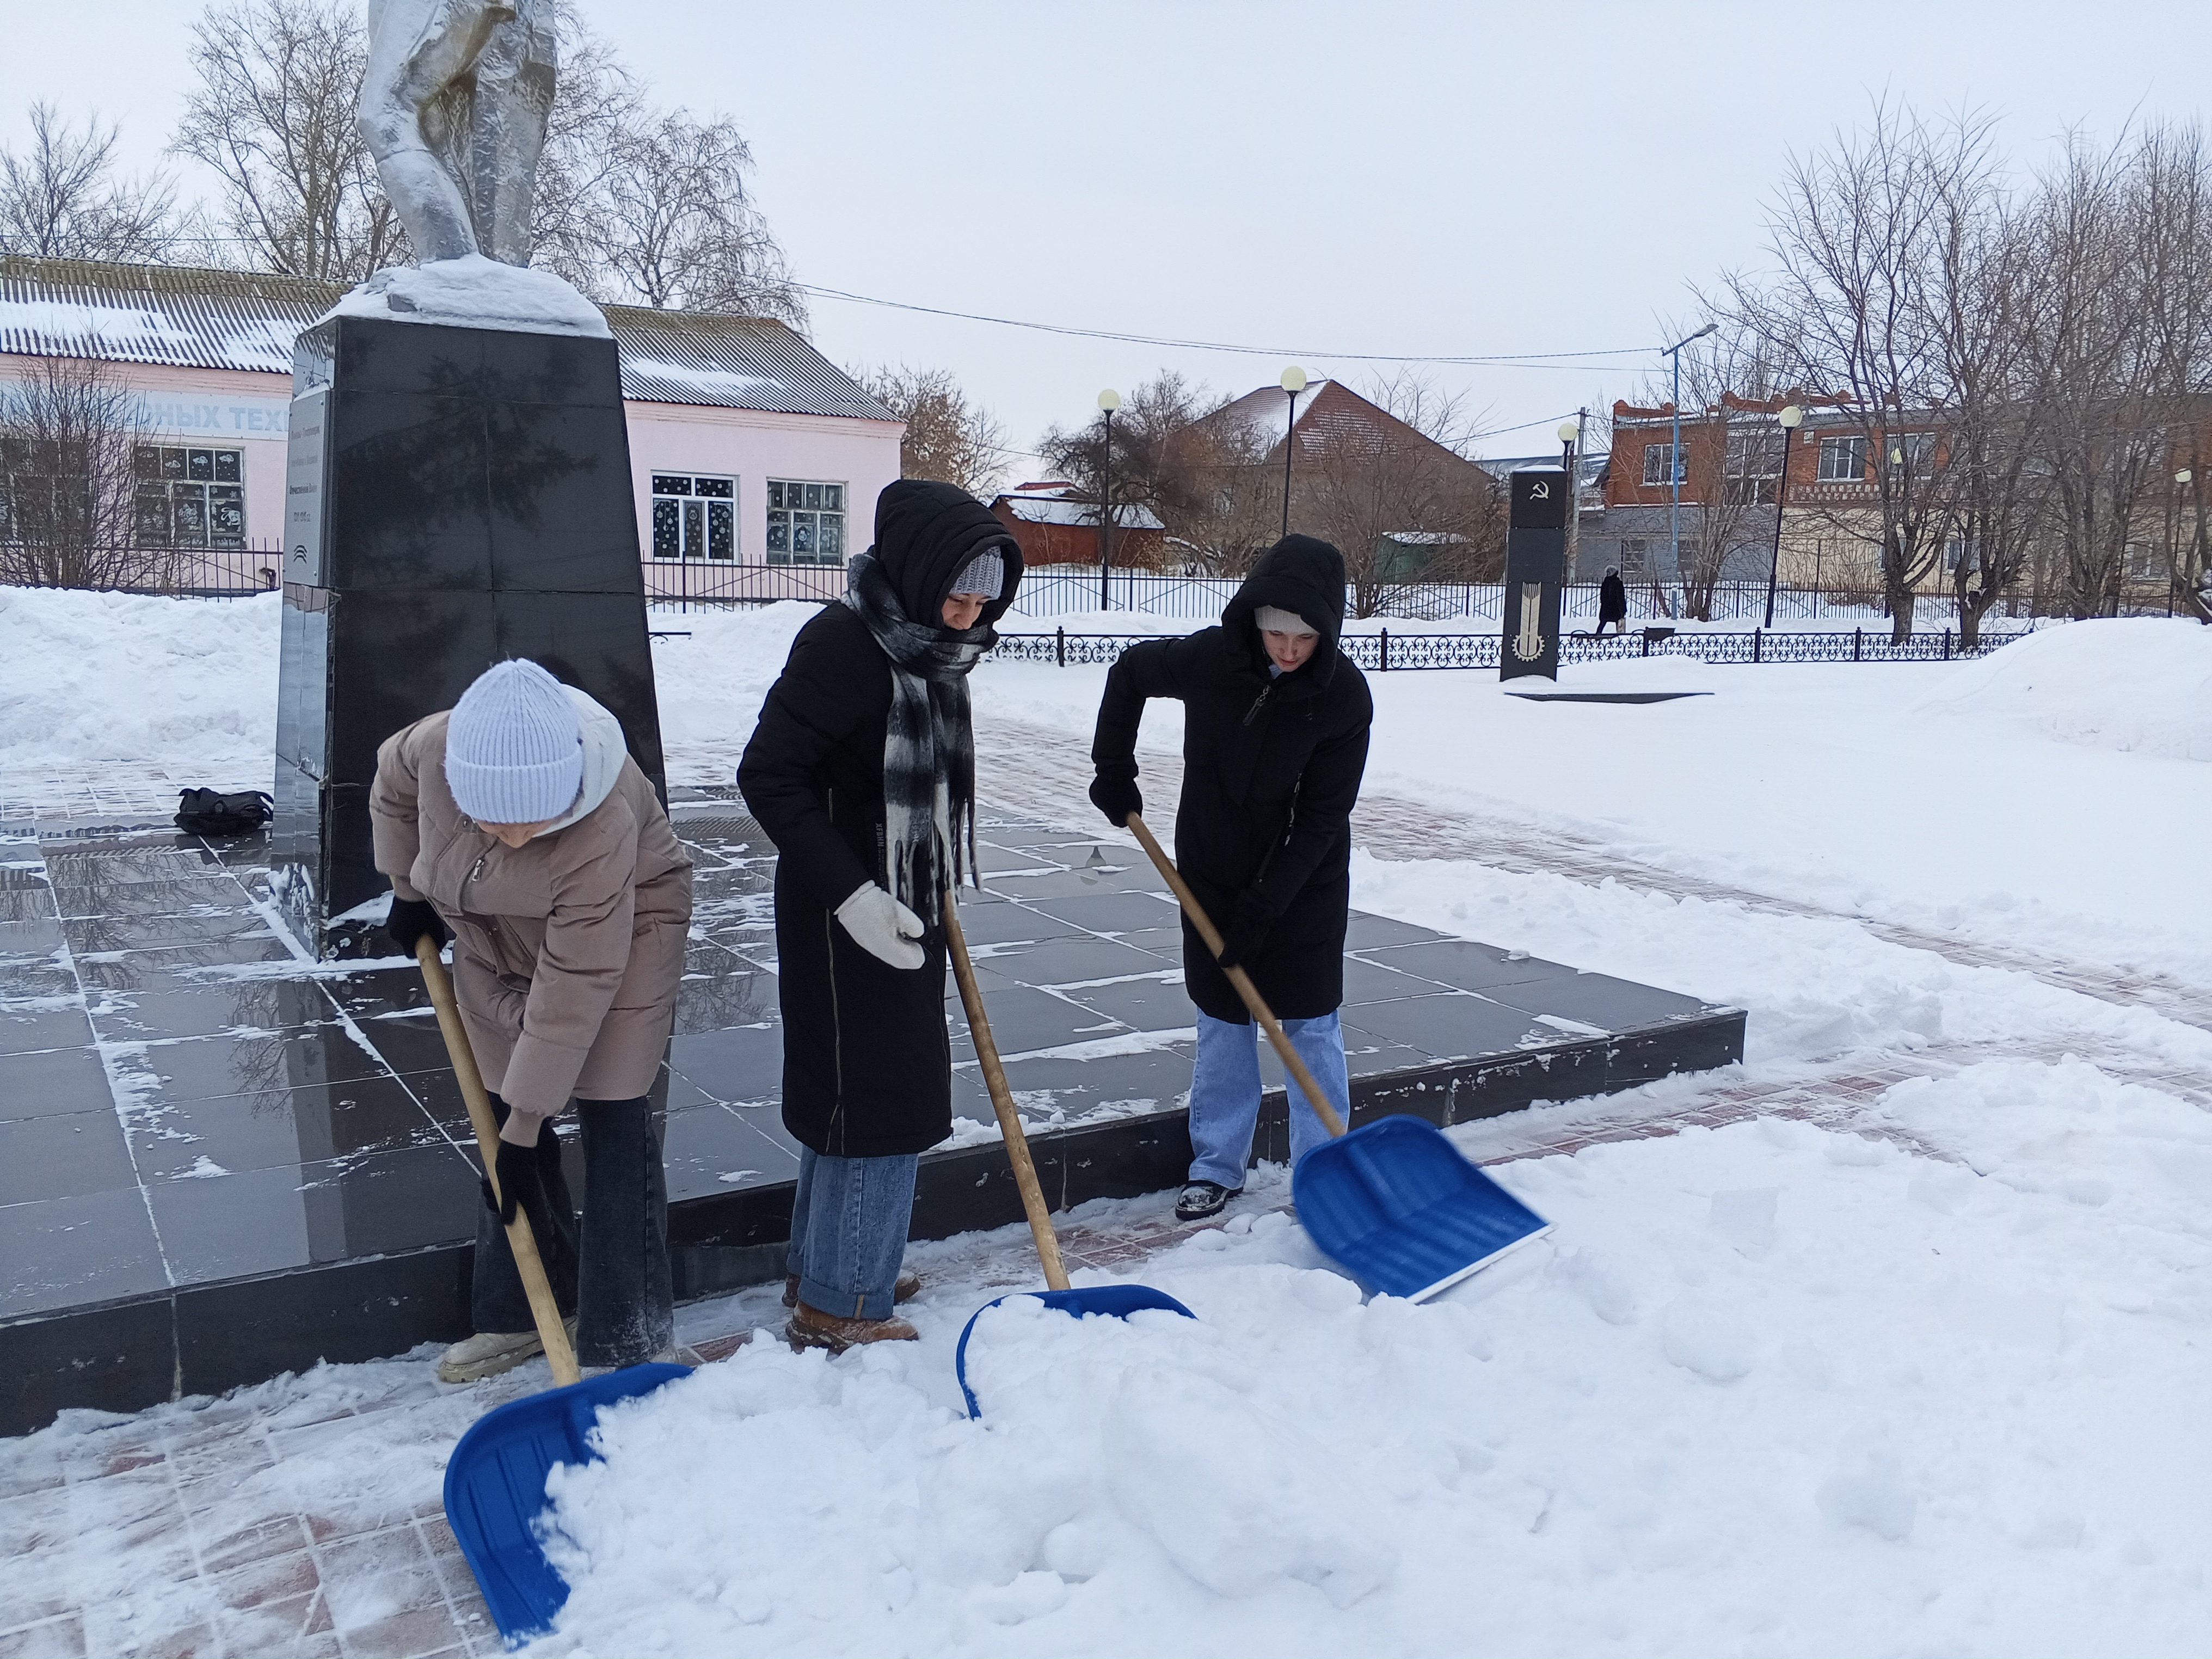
x: 219, y: 1160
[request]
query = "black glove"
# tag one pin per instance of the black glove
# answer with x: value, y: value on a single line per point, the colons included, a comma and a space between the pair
x: 1114, y: 791
x: 1247, y: 928
x: 522, y: 1181
x: 409, y: 920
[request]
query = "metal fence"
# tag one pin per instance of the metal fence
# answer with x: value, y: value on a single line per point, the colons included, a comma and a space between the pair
x: 1384, y: 652
x: 711, y: 584
x: 1058, y: 591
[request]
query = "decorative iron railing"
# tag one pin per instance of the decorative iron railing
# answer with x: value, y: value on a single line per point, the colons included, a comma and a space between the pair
x: 1382, y: 652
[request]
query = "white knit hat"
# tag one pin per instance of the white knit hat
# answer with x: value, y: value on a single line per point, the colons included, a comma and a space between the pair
x: 985, y: 573
x: 1272, y: 619
x: 515, y: 746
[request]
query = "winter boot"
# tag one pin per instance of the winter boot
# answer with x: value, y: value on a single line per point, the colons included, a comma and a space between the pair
x: 676, y: 1353
x: 489, y: 1352
x: 810, y: 1328
x: 1202, y: 1199
x: 908, y: 1288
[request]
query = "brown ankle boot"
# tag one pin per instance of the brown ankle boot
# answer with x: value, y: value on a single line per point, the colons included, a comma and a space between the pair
x: 810, y: 1328
x: 908, y: 1288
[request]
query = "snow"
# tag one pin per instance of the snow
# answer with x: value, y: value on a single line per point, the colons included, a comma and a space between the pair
x: 475, y: 292
x: 1767, y: 1388
x: 2142, y: 687
x: 1935, y: 1385
x: 719, y: 381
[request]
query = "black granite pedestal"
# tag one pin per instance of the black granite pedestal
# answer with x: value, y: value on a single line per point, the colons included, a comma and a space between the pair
x: 455, y: 496
x: 219, y: 1162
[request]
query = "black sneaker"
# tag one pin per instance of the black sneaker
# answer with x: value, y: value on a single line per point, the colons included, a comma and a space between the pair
x: 1202, y: 1199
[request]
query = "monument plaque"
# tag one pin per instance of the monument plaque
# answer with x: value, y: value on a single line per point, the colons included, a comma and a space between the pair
x: 1535, y: 564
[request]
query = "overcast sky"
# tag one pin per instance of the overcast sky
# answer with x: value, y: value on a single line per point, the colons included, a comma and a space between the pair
x: 1304, y: 179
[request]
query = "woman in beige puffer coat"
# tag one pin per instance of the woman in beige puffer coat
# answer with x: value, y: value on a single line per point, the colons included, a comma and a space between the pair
x: 519, y: 822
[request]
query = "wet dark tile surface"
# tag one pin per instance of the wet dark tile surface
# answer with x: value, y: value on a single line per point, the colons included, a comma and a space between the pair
x: 271, y: 1124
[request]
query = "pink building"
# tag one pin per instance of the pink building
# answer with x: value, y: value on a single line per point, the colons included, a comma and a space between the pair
x: 756, y: 461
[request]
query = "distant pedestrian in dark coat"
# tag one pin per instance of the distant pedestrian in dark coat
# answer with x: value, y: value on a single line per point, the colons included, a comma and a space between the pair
x: 1275, y: 724
x: 862, y: 771
x: 1613, y: 602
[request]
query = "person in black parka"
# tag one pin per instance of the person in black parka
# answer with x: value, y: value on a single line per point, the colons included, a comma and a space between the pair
x: 1275, y: 725
x: 1611, y: 602
x: 862, y: 771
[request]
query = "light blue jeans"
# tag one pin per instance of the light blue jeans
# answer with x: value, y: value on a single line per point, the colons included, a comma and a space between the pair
x: 849, y: 1225
x: 1224, y: 1092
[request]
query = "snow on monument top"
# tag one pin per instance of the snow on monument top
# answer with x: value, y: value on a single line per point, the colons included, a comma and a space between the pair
x: 475, y: 292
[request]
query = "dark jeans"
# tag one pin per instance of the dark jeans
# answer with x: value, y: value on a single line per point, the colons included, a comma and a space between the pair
x: 614, y: 1275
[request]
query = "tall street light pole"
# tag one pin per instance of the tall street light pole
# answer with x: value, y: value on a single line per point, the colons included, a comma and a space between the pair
x: 1791, y: 417
x: 1569, y: 433
x: 1294, y: 382
x: 1109, y: 401
x: 1674, y: 450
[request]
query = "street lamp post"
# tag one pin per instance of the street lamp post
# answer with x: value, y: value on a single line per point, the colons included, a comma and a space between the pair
x: 1674, y: 450
x: 1791, y: 417
x: 1293, y: 382
x: 1569, y: 433
x: 1109, y: 401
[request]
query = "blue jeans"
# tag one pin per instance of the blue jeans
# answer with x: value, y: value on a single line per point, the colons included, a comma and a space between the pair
x: 1224, y: 1092
x: 848, y: 1227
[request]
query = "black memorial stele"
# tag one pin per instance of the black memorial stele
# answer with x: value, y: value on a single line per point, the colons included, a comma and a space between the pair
x: 455, y: 496
x: 1535, y: 562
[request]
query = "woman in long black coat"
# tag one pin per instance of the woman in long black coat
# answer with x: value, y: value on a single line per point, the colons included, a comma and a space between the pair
x: 862, y: 771
x: 1275, y: 725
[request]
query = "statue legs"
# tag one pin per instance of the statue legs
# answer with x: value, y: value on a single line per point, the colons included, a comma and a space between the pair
x: 515, y: 80
x: 455, y: 90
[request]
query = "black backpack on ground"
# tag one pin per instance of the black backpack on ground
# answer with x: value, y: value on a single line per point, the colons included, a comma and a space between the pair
x: 211, y: 812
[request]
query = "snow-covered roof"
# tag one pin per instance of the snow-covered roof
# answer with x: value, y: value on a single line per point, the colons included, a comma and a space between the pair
x: 198, y: 319
x: 1055, y: 502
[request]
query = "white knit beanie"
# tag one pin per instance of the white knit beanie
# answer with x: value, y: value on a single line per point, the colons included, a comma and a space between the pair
x: 515, y: 746
x: 985, y: 573
x: 1272, y: 619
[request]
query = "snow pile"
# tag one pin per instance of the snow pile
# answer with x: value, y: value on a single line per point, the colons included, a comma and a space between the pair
x: 2142, y: 684
x: 1767, y: 1387
x: 475, y: 292
x: 185, y: 683
x: 710, y: 685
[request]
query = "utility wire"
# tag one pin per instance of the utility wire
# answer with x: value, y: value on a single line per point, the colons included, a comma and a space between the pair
x: 1528, y: 359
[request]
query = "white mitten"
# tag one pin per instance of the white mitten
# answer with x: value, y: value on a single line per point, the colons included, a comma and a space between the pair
x: 882, y: 926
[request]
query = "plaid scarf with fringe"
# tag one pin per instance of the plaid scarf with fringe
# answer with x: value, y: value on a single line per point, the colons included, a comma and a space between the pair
x: 929, y: 745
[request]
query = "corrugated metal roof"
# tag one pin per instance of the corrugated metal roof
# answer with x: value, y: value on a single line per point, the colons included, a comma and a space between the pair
x: 199, y: 318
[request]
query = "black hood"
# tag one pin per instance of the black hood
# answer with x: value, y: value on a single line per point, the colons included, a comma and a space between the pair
x: 926, y: 532
x: 1299, y: 574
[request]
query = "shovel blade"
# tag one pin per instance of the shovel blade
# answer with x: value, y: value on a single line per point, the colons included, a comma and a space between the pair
x: 495, y: 1489
x: 1108, y: 1301
x: 1394, y: 1204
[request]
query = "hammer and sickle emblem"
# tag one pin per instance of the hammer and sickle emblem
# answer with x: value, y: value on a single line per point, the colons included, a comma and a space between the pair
x: 1528, y: 643
x: 1540, y: 490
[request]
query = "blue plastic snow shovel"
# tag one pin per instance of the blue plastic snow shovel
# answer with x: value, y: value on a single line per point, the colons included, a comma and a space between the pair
x: 495, y: 1479
x: 1110, y: 1301
x: 1392, y: 1201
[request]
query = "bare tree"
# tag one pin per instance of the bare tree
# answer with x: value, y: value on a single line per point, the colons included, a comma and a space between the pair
x: 2173, y: 212
x: 68, y: 427
x: 1388, y: 484
x: 1856, y: 236
x: 670, y: 222
x: 62, y: 198
x: 1172, y: 457
x: 2094, y: 364
x: 1732, y: 452
x: 947, y: 436
x: 273, y: 116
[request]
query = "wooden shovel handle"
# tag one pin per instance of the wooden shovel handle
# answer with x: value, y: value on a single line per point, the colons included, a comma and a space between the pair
x: 1002, y: 1101
x: 1240, y: 979
x: 542, y: 1307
